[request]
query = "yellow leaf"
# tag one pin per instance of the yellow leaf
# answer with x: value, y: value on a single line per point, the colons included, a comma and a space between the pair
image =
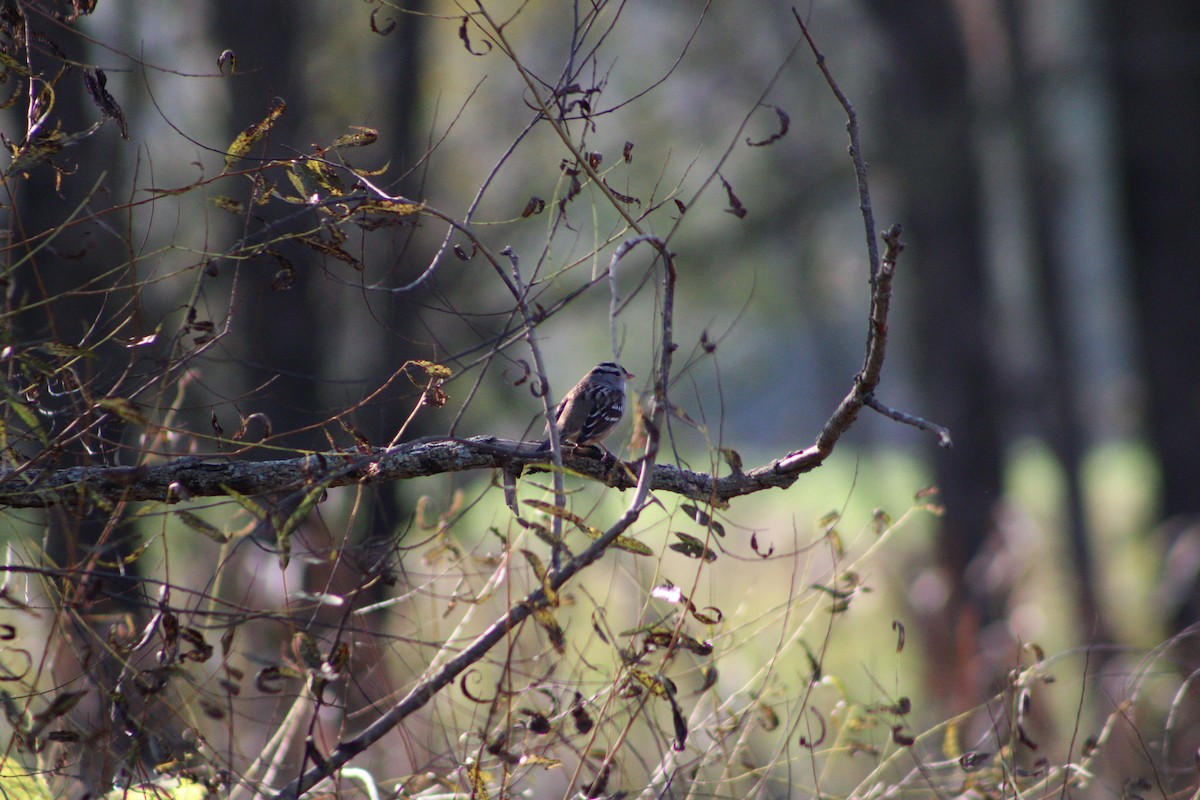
x: 64, y: 350
x: 253, y: 135
x: 621, y: 542
x: 229, y: 204
x: 479, y: 779
x: 200, y: 526
x: 362, y: 138
x: 29, y: 417
x: 310, y: 176
x: 123, y: 408
x: 632, y: 546
x: 539, y: 569
x: 10, y: 64
x: 254, y: 509
x: 306, y: 650
x: 432, y: 370
x: 545, y: 618
x: 390, y: 207
x: 128, y: 559
x: 951, y: 747
x: 30, y: 155
x: 651, y: 683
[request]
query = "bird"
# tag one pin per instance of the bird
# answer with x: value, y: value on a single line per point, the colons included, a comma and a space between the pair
x: 591, y: 410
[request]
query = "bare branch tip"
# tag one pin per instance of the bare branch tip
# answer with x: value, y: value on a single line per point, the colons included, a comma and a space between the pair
x: 942, y: 432
x: 891, y: 237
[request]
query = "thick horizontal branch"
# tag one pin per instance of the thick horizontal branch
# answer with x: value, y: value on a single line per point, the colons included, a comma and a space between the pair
x: 193, y: 477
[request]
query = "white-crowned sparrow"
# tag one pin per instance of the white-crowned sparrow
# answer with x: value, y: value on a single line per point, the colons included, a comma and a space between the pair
x: 591, y: 410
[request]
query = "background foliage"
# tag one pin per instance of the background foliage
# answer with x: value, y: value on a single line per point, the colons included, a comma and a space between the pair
x: 183, y: 276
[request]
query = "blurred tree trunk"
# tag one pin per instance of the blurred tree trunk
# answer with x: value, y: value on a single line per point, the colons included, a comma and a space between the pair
x: 1064, y: 125
x: 53, y: 276
x: 314, y: 340
x: 929, y: 127
x: 1156, y: 66
x: 279, y: 331
x: 1014, y: 216
x: 328, y: 344
x: 403, y: 107
x: 89, y: 542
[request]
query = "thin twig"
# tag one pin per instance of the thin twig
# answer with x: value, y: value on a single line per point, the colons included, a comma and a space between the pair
x: 855, y: 150
x: 942, y: 432
x: 548, y: 405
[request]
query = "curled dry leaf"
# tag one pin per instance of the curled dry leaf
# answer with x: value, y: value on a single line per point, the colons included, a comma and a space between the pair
x: 466, y: 39
x: 386, y: 29
x: 784, y: 123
